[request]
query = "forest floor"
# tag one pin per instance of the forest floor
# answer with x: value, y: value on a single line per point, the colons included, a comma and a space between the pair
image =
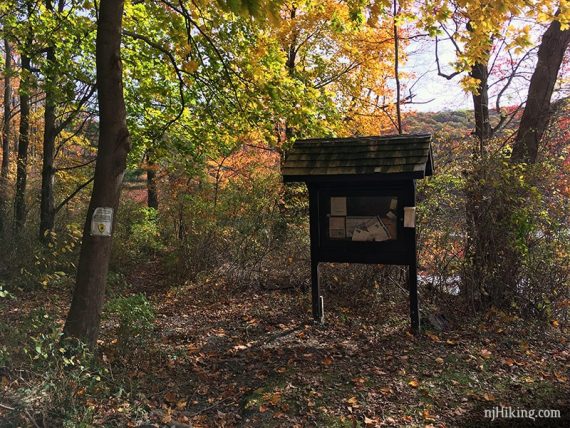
x: 219, y: 357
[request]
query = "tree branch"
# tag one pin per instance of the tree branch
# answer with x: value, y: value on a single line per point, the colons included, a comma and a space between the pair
x: 72, y: 195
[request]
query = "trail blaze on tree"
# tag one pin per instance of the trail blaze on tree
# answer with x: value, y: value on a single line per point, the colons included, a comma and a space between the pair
x: 85, y: 312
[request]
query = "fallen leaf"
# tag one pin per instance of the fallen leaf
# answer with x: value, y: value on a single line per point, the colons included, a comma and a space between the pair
x: 427, y: 415
x: 485, y: 353
x: 327, y: 361
x: 439, y: 360
x: 170, y: 397
x: 414, y: 383
x: 368, y: 421
x: 432, y: 337
x: 352, y: 401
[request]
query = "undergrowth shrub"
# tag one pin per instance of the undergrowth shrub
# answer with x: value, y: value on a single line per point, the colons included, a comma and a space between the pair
x: 135, y: 319
x: 137, y: 236
x: 517, y: 246
x: 240, y: 230
x: 62, y: 373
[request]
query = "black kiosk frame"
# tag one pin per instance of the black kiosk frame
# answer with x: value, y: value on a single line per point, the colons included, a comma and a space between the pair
x: 362, y: 197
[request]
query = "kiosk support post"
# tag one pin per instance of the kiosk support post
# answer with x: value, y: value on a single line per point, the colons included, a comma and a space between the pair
x: 316, y: 298
x: 413, y: 275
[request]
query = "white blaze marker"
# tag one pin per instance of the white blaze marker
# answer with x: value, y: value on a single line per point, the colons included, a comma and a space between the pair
x: 102, y: 222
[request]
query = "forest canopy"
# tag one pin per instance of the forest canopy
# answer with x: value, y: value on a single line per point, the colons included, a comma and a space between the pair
x: 166, y: 124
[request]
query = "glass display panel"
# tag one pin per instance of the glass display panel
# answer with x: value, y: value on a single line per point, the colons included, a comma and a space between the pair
x: 363, y: 218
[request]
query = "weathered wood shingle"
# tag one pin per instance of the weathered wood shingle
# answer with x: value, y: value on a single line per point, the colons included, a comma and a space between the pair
x: 408, y: 156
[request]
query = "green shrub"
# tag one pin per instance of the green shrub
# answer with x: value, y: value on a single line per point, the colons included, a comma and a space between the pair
x: 135, y: 318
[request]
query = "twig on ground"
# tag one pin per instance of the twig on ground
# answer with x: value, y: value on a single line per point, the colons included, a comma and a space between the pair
x: 6, y: 407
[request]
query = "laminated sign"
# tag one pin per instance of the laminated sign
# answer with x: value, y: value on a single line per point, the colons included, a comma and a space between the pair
x: 102, y: 222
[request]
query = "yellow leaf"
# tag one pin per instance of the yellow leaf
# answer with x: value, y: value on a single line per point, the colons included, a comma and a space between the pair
x: 414, y: 383
x: 555, y: 323
x: 352, y: 401
x: 432, y: 337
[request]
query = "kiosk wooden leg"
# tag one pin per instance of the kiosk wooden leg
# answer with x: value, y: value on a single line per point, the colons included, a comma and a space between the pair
x: 316, y: 297
x: 414, y: 305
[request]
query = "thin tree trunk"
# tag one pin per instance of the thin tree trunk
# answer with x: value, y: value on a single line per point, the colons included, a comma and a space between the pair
x: 23, y: 142
x: 5, y: 137
x: 152, y: 191
x: 84, y: 314
x: 396, y: 70
x: 481, y: 105
x: 47, y: 211
x: 537, y: 110
x: 7, y: 110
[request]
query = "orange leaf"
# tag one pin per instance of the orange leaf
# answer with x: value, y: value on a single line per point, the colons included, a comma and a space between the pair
x: 170, y: 397
x: 327, y: 361
x: 414, y: 383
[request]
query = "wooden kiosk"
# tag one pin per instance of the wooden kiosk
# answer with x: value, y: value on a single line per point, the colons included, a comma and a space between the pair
x: 362, y: 197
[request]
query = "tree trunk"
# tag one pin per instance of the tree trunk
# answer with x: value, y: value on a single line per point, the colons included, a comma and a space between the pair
x: 5, y: 137
x: 7, y: 110
x: 481, y: 104
x: 537, y: 110
x: 396, y: 69
x: 85, y: 312
x: 47, y: 210
x: 152, y: 191
x: 23, y: 142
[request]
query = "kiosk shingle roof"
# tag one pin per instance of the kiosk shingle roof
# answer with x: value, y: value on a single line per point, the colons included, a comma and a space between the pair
x: 405, y: 155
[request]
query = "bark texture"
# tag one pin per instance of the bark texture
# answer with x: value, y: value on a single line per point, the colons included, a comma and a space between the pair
x: 20, y: 210
x: 47, y: 205
x: 85, y: 312
x: 5, y: 137
x: 47, y: 211
x: 152, y: 191
x: 481, y: 104
x: 537, y: 110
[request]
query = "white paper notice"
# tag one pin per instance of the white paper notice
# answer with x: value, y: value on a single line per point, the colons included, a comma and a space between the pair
x: 337, y: 227
x: 338, y: 206
x: 102, y: 222
x: 409, y: 216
